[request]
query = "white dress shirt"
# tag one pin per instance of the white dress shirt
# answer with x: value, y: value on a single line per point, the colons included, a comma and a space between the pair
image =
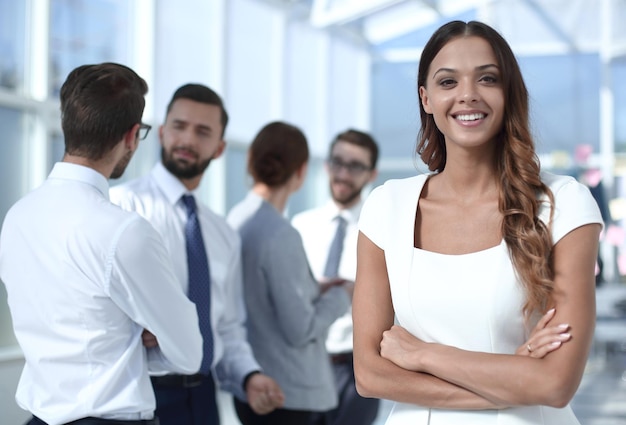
x: 84, y: 278
x: 317, y: 228
x: 157, y: 197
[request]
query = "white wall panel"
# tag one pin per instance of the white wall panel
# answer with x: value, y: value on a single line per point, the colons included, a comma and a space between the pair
x: 307, y: 85
x: 349, y: 87
x: 188, y: 40
x: 253, y: 60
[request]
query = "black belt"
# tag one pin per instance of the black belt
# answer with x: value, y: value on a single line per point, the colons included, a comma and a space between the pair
x: 341, y: 358
x: 177, y: 381
x: 102, y: 421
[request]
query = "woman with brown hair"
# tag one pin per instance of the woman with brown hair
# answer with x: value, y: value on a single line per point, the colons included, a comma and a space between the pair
x: 288, y: 311
x: 495, y: 245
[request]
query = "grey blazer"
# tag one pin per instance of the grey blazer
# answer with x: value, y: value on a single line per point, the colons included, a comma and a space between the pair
x: 288, y: 318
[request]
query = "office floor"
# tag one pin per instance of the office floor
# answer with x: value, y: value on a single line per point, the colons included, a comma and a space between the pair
x: 601, y: 397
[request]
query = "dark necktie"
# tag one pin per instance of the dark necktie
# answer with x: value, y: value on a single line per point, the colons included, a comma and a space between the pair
x: 336, y: 247
x: 199, y: 290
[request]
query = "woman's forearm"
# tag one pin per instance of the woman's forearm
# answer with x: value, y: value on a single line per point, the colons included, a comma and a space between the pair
x: 380, y: 378
x: 502, y: 378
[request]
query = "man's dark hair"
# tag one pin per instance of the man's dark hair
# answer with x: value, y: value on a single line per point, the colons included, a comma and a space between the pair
x: 358, y: 138
x: 202, y: 94
x: 99, y: 104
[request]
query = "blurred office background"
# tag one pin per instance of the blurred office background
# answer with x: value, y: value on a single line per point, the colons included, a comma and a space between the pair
x: 323, y: 65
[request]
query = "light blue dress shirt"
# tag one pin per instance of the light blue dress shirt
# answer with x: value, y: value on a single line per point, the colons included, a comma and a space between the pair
x: 157, y: 197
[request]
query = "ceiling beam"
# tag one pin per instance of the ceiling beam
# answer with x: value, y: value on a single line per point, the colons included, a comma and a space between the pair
x: 398, y: 20
x: 552, y: 25
x: 332, y: 12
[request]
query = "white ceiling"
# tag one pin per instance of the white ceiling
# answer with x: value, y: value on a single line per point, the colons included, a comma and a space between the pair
x: 396, y: 30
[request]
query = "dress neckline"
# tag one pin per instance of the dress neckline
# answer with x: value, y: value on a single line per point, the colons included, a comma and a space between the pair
x: 478, y: 252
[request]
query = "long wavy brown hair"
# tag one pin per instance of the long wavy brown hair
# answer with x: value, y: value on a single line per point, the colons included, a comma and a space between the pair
x: 528, y: 239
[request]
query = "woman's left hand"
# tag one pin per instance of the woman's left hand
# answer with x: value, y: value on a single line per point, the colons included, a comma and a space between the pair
x: 401, y: 348
x: 544, y: 339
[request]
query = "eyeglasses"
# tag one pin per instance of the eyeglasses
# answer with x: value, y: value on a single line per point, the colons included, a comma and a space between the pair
x: 353, y: 168
x: 143, y: 131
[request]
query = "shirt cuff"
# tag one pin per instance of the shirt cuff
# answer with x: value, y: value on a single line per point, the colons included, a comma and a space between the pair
x: 247, y: 378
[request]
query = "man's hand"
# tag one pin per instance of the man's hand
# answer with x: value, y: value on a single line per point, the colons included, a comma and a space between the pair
x: 326, y: 284
x: 264, y: 394
x: 148, y: 339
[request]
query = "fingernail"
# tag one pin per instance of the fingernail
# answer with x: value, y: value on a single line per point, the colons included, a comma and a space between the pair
x: 555, y: 343
x: 564, y: 326
x: 565, y: 336
x: 552, y: 310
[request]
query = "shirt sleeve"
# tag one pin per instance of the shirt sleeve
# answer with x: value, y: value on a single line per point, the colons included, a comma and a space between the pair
x: 142, y: 283
x: 373, y: 216
x: 574, y: 206
x: 238, y: 359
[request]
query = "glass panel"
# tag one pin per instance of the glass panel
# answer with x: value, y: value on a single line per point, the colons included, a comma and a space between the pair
x: 305, y: 198
x: 238, y: 182
x: 11, y: 170
x: 12, y: 44
x: 619, y: 93
x: 57, y: 149
x: 84, y: 32
x: 11, y: 163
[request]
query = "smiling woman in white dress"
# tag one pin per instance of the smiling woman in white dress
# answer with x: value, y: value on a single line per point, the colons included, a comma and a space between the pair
x: 466, y: 259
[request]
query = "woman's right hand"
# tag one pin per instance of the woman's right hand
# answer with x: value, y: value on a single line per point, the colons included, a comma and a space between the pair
x: 544, y: 339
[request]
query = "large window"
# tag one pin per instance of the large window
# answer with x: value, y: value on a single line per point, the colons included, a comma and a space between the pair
x: 619, y: 93
x: 12, y: 163
x: 12, y: 44
x: 86, y: 31
x: 79, y: 32
x: 238, y: 181
x: 13, y: 174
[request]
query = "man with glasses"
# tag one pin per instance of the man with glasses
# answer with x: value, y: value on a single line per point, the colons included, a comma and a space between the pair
x: 329, y: 234
x: 85, y: 278
x: 207, y: 257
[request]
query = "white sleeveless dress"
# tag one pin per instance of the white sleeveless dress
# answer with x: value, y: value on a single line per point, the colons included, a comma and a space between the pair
x: 471, y: 301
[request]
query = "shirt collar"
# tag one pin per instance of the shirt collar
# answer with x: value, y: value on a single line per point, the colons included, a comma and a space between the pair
x: 81, y: 173
x: 350, y: 214
x: 171, y: 186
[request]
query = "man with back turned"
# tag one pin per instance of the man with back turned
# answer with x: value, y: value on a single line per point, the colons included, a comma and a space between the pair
x: 85, y: 278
